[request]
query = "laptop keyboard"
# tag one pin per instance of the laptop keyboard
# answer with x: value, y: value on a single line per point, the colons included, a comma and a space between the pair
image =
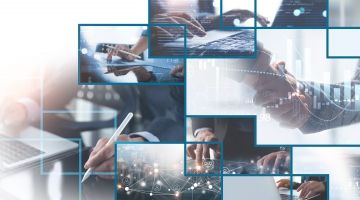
x: 12, y: 151
x: 288, y: 197
x: 241, y: 43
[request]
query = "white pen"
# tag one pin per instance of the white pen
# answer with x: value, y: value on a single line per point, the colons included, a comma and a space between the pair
x: 123, y: 51
x: 112, y: 139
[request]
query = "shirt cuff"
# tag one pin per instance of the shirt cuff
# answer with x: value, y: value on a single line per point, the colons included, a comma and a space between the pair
x: 32, y: 109
x: 196, y: 132
x: 146, y: 135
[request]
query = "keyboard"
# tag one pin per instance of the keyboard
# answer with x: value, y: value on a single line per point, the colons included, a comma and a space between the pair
x: 12, y: 151
x: 288, y: 197
x: 239, y: 44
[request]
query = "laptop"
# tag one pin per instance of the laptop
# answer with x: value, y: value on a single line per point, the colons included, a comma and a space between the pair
x: 249, y: 188
x: 27, y: 149
x: 215, y: 43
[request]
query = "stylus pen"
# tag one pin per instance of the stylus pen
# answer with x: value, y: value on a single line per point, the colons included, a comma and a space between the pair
x: 124, y: 52
x: 112, y: 139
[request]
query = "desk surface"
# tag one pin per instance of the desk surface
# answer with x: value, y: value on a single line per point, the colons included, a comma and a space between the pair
x: 59, y: 180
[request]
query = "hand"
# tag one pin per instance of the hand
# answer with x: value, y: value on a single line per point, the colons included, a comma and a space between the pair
x: 199, y: 152
x: 273, y: 91
x: 277, y: 158
x: 101, y: 158
x: 168, y: 33
x: 140, y: 72
x: 118, y: 52
x: 243, y: 15
x: 283, y: 183
x: 311, y: 188
x: 13, y: 116
x: 178, y: 71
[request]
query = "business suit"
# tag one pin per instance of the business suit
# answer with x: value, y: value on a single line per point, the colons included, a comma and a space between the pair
x: 237, y: 135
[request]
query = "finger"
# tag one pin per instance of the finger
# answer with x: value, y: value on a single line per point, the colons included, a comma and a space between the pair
x: 309, y: 194
x: 301, y: 187
x: 105, y: 153
x: 123, y: 137
x: 264, y: 97
x: 199, y: 154
x: 162, y: 35
x: 266, y: 162
x: 304, y: 191
x: 277, y: 163
x: 260, y: 162
x: 191, y: 151
x: 191, y: 29
x: 197, y: 26
x: 99, y: 145
x: 277, y: 112
x: 206, y: 151
x: 107, y: 166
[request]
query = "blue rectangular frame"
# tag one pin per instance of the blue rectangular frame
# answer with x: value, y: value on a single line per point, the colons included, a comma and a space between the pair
x: 328, y: 42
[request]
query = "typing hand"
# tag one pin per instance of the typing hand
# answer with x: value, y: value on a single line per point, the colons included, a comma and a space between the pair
x: 242, y: 16
x: 283, y: 183
x: 178, y: 71
x: 168, y: 33
x: 277, y: 158
x: 119, y: 51
x: 199, y: 152
x: 311, y: 188
x: 13, y: 116
x: 101, y: 158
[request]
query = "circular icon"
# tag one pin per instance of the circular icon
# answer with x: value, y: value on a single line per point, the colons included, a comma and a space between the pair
x: 176, y: 187
x: 208, y: 164
x: 226, y: 170
x: 126, y: 181
x: 157, y: 188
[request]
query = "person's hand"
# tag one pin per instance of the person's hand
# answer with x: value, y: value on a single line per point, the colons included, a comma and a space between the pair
x: 311, y: 188
x: 275, y: 159
x: 13, y: 116
x: 101, y: 158
x: 277, y: 91
x: 119, y: 51
x: 283, y: 183
x: 168, y: 33
x: 140, y: 72
x: 178, y: 71
x: 199, y: 152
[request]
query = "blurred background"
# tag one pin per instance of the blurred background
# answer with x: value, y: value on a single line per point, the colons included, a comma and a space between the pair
x: 344, y: 13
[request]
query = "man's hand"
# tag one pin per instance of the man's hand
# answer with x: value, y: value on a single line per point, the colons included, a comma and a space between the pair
x: 311, y: 188
x: 242, y: 15
x: 101, y: 158
x: 277, y: 158
x: 168, y: 33
x: 140, y: 72
x: 283, y: 183
x: 178, y: 71
x: 13, y: 116
x: 119, y: 51
x: 277, y: 91
x: 199, y: 152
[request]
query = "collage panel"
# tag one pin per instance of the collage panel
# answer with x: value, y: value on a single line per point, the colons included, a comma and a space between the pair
x: 240, y: 155
x: 296, y: 103
x: 256, y: 187
x: 308, y: 186
x: 343, y: 43
x: 204, y: 36
x: 340, y: 163
x: 156, y: 171
x: 118, y: 54
x: 212, y: 162
x: 293, y: 13
x: 343, y: 13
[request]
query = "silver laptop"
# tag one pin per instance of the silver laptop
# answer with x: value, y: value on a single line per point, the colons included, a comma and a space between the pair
x: 254, y: 188
x: 29, y: 147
